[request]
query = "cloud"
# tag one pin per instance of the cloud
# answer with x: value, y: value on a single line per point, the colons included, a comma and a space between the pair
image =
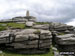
x: 71, y: 22
x: 46, y: 10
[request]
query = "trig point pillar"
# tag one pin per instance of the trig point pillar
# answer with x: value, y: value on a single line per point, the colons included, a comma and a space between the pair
x: 27, y: 13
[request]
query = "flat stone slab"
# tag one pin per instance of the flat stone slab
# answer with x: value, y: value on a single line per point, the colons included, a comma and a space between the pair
x: 44, y: 26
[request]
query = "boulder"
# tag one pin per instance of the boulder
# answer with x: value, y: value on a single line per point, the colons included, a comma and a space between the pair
x: 29, y: 23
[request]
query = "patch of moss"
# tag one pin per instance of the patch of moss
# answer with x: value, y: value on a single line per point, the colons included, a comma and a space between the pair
x: 61, y: 33
x: 37, y: 32
x: 2, y: 28
x: 41, y: 23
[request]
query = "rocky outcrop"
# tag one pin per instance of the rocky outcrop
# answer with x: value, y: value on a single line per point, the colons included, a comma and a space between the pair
x: 66, y: 42
x: 61, y: 27
x: 66, y: 39
x: 38, y: 35
x: 28, y: 38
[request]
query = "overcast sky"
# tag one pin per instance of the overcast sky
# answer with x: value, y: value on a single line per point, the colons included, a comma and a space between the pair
x: 45, y: 10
